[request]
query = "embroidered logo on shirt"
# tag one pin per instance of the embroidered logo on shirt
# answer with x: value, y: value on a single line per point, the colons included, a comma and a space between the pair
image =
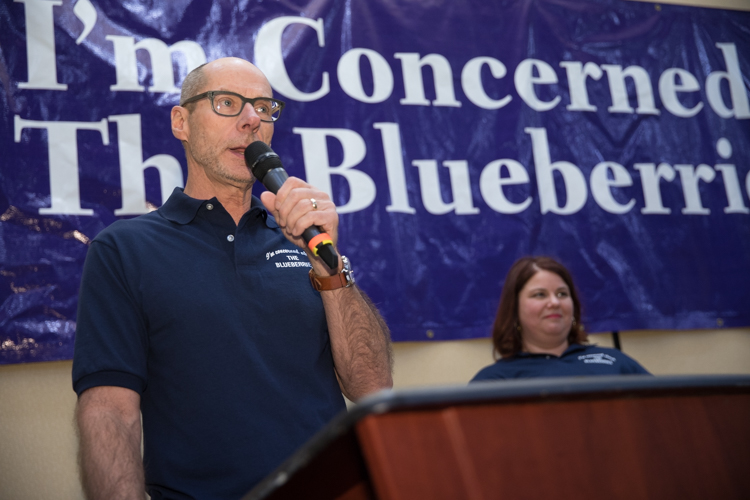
x: 289, y: 257
x: 600, y: 357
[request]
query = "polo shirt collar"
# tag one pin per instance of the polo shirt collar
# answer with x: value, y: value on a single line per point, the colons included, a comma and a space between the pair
x: 182, y: 209
x: 571, y: 349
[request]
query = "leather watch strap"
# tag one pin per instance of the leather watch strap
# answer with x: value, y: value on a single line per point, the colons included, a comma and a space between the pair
x: 342, y: 279
x: 323, y: 283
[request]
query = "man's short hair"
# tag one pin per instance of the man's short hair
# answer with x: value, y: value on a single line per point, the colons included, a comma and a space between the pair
x: 193, y: 83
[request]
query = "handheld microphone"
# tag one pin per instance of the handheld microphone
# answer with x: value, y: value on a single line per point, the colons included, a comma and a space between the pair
x: 267, y: 168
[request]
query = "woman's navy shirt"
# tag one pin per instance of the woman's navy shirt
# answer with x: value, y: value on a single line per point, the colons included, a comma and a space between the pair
x: 577, y: 359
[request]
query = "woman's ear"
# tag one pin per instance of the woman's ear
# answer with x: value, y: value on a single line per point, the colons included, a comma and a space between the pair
x: 180, y: 127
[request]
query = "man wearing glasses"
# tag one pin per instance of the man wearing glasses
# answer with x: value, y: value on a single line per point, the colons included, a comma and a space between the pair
x: 201, y: 317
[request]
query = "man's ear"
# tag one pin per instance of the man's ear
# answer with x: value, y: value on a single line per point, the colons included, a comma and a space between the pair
x: 180, y: 128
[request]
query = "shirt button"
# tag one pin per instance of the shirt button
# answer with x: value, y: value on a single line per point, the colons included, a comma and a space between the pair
x: 209, y: 206
x: 230, y: 238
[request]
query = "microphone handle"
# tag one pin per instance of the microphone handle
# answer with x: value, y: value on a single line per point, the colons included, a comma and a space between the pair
x: 274, y: 178
x: 321, y: 245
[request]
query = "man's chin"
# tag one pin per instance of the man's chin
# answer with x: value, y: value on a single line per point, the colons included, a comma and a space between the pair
x: 242, y: 182
x: 239, y: 173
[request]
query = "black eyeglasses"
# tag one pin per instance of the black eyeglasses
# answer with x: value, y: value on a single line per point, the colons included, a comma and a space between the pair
x: 227, y: 103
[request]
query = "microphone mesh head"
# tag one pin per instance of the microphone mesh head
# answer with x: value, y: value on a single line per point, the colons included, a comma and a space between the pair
x: 254, y: 150
x: 259, y: 150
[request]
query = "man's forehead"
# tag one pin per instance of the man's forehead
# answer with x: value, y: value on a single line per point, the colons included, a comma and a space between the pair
x: 234, y: 71
x: 248, y: 88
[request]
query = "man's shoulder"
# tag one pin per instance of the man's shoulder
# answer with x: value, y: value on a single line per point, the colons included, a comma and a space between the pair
x: 133, y: 228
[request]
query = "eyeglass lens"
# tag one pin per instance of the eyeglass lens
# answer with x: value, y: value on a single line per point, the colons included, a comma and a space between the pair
x: 231, y: 105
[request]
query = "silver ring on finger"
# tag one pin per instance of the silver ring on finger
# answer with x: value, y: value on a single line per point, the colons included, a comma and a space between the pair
x: 314, y: 203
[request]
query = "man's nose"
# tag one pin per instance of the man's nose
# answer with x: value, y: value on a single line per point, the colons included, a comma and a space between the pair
x: 249, y: 117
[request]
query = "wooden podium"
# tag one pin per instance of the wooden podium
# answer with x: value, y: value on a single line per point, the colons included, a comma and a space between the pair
x: 627, y: 437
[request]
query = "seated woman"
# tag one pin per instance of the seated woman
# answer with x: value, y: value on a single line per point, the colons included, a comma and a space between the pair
x: 537, y: 330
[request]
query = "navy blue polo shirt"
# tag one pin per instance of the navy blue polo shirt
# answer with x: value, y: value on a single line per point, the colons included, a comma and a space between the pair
x: 218, y: 329
x: 577, y: 359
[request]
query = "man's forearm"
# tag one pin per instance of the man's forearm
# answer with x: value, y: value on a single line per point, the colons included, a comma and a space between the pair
x: 360, y: 342
x: 360, y: 339
x: 109, y: 451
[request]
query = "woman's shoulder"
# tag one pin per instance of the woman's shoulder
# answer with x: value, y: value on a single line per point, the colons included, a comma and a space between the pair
x: 501, y: 369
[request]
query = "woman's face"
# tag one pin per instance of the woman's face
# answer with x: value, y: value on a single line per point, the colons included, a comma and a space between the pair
x: 545, y: 313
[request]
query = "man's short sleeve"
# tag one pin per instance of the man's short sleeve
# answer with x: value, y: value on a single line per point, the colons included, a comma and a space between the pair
x: 111, y: 343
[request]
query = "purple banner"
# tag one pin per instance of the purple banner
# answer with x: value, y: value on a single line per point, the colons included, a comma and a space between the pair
x: 454, y: 136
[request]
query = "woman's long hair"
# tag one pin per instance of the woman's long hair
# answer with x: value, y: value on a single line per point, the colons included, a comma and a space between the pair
x: 506, y: 335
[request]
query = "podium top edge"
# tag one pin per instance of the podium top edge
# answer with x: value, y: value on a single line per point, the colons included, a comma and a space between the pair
x: 488, y: 391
